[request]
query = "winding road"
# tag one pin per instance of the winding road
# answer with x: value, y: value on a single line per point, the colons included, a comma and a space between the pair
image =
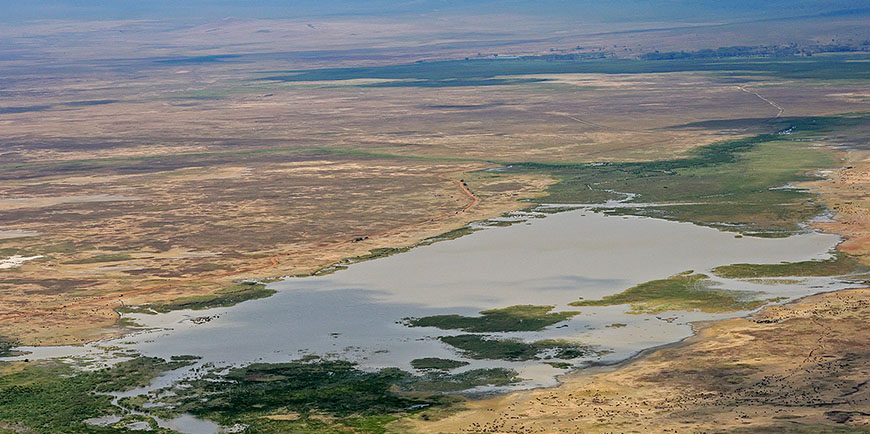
x: 772, y: 103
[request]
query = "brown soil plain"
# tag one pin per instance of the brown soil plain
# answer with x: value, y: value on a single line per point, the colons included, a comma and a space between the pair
x: 149, y: 197
x: 801, y: 367
x: 131, y: 181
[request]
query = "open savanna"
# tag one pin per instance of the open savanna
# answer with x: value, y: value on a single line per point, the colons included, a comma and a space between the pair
x: 157, y: 229
x: 198, y: 174
x: 156, y: 164
x: 794, y: 368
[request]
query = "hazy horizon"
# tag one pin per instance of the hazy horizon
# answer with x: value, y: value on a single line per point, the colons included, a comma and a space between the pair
x: 197, y: 11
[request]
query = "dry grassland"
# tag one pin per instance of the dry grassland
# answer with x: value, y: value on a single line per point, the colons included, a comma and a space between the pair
x: 798, y: 368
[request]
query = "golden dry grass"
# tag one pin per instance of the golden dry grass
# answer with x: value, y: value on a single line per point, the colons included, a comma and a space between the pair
x: 845, y: 193
x: 799, y: 366
x: 193, y: 175
x: 188, y: 235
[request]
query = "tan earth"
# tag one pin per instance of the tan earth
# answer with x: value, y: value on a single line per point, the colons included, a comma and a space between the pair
x: 69, y: 295
x: 803, y: 367
x: 846, y: 194
x: 181, y: 184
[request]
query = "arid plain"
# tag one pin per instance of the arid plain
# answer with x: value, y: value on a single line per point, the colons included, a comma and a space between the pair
x: 150, y: 197
x: 187, y: 174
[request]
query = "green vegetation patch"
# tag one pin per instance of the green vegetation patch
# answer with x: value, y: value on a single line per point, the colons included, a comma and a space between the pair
x: 321, y: 396
x: 687, y: 292
x: 841, y: 264
x: 437, y: 363
x: 50, y: 397
x: 62, y: 247
x: 509, y: 319
x: 128, y: 322
x: 6, y: 346
x: 137, y: 372
x: 487, y: 347
x: 334, y: 387
x: 442, y: 382
x: 224, y: 298
x: 482, y: 72
x: 451, y: 235
x: 732, y: 185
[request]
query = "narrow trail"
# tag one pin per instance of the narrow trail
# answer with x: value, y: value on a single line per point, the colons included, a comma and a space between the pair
x: 592, y: 124
x: 772, y: 103
x: 274, y: 260
x: 462, y: 186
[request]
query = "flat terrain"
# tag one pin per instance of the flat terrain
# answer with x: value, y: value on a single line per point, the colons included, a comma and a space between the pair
x: 148, y: 165
x: 163, y: 234
x: 201, y: 173
x: 796, y: 368
x: 799, y: 368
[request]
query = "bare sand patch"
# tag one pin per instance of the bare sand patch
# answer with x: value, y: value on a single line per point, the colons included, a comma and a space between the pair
x: 16, y: 261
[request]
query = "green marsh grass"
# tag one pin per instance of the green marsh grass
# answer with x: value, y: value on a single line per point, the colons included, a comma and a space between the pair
x: 840, y: 265
x: 225, y: 297
x: 487, y: 347
x: 509, y: 319
x: 53, y: 398
x: 685, y: 292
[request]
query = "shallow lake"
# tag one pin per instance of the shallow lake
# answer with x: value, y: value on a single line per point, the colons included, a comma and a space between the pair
x: 356, y: 313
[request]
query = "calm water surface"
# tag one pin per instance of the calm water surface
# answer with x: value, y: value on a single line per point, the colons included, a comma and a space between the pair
x: 356, y: 313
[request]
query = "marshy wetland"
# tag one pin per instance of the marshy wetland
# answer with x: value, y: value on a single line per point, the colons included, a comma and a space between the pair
x: 507, y: 303
x: 242, y: 243
x: 503, y: 307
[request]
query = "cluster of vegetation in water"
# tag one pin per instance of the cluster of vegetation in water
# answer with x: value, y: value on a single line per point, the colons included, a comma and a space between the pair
x: 687, y: 292
x: 53, y: 397
x: 732, y: 185
x: 477, y: 346
x: 510, y: 319
x: 337, y: 388
x: 317, y: 395
x: 311, y: 395
x: 229, y: 296
x: 840, y: 265
x: 437, y: 363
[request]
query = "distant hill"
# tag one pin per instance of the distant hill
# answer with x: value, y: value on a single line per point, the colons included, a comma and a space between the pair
x: 580, y: 10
